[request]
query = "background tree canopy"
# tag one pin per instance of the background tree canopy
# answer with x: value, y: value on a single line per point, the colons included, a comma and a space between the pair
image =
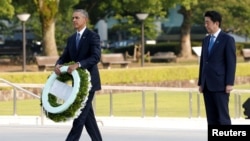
x: 51, y: 19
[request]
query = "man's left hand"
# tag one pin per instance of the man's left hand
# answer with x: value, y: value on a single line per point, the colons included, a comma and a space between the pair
x: 72, y: 68
x: 229, y: 88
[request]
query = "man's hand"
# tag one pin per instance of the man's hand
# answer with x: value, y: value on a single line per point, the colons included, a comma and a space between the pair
x: 200, y: 89
x: 57, y: 69
x: 229, y: 88
x: 72, y: 68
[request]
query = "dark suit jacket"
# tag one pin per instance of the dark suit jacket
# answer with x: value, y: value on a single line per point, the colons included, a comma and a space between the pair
x: 88, y: 54
x: 218, y: 68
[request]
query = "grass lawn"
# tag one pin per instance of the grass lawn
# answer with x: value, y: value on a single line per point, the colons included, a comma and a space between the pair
x: 169, y: 104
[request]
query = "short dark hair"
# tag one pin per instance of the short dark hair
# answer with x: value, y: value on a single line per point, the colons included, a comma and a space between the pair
x: 84, y: 12
x: 214, y: 16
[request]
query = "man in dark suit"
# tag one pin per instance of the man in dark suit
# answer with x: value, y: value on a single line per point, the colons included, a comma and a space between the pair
x: 217, y: 70
x: 86, y: 53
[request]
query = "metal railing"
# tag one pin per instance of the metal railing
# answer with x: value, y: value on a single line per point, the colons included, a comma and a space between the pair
x: 237, y: 98
x: 16, y: 87
x: 110, y: 89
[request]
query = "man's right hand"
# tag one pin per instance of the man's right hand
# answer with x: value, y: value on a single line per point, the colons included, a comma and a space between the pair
x: 57, y: 69
x: 200, y: 89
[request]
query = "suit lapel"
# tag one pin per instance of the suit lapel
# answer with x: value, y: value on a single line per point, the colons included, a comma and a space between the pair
x: 81, y: 42
x: 73, y: 50
x: 83, y: 37
x: 206, y: 44
x: 216, y: 43
x: 74, y: 40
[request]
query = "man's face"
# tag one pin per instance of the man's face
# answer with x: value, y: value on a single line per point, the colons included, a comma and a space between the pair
x: 211, y: 26
x: 79, y: 20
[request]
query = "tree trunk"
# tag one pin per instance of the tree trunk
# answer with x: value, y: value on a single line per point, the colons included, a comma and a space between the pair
x: 47, y: 12
x: 49, y: 42
x: 185, y: 42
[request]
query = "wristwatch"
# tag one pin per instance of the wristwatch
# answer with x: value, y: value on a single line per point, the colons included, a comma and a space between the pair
x: 79, y: 64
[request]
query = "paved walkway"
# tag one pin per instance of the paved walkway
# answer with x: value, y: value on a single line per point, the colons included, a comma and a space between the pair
x: 30, y: 128
x: 59, y: 133
x: 148, y: 122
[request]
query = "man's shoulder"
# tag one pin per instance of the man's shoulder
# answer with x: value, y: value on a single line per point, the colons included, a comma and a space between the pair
x: 225, y: 34
x: 89, y: 31
x: 91, y: 34
x: 72, y: 35
x: 226, y: 37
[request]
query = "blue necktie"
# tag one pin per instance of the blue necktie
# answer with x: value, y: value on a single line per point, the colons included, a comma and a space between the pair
x: 78, y: 36
x: 211, y: 43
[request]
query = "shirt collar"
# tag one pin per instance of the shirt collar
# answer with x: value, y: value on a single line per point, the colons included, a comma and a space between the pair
x: 216, y: 33
x: 81, y: 31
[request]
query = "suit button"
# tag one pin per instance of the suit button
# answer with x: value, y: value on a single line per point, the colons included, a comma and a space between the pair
x: 206, y: 62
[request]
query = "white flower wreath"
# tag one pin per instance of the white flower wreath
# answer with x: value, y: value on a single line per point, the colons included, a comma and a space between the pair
x: 68, y: 105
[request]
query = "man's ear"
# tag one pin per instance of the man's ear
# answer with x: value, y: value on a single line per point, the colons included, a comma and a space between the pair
x: 218, y: 24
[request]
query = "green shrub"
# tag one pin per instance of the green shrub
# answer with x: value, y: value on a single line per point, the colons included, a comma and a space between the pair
x: 129, y: 76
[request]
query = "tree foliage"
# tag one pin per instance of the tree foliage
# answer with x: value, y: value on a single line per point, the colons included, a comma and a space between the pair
x: 125, y: 13
x: 48, y: 13
x: 6, y: 12
x: 6, y: 9
x: 186, y: 9
x: 235, y: 14
x: 44, y: 16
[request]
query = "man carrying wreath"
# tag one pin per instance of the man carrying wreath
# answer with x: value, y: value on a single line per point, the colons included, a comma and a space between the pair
x: 83, y: 47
